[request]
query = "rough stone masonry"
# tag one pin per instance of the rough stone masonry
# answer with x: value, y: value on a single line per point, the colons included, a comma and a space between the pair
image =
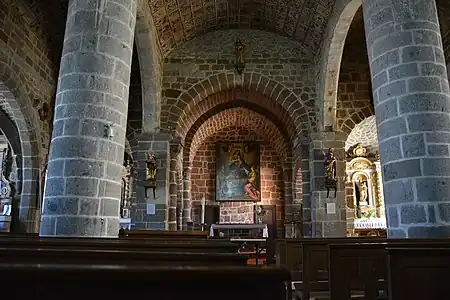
x: 82, y: 194
x: 411, y: 98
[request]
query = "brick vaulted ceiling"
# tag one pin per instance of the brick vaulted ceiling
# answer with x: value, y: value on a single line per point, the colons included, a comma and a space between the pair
x: 179, y: 20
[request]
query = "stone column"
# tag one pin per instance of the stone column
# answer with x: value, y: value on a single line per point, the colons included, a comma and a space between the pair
x: 159, y: 145
x: 288, y: 199
x: 411, y: 98
x: 324, y: 222
x: 175, y: 151
x: 187, y: 204
x: 82, y: 196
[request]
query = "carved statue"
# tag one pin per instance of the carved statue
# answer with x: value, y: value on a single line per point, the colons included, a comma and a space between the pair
x: 330, y: 171
x: 150, y: 176
x: 363, y: 192
x: 151, y: 166
x: 240, y: 50
x: 6, y: 186
x: 127, y: 172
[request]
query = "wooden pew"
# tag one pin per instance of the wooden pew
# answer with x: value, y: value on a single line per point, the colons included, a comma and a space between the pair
x: 363, y: 267
x: 358, y: 269
x: 314, y: 262
x: 144, y: 233
x: 52, y: 282
x: 57, y: 255
x: 419, y: 270
x: 177, y: 245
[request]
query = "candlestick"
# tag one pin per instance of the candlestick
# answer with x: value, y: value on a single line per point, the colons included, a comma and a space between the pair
x: 203, y: 210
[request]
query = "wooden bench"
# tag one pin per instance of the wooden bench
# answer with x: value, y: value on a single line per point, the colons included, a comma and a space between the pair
x: 419, y: 270
x: 358, y: 269
x: 59, y: 255
x: 52, y: 282
x: 308, y: 260
x: 176, y: 245
x: 144, y: 233
x: 362, y: 268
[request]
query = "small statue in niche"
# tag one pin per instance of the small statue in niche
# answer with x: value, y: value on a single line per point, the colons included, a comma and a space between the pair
x: 330, y: 171
x: 151, y: 166
x: 239, y: 64
x: 362, y: 193
x: 150, y: 175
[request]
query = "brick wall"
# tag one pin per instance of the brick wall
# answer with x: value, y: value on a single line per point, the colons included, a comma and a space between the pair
x: 203, y: 179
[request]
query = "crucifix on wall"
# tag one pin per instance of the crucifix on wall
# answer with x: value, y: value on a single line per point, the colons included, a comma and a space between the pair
x: 239, y: 63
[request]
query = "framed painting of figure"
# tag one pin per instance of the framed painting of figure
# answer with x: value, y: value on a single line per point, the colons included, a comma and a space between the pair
x: 238, y: 171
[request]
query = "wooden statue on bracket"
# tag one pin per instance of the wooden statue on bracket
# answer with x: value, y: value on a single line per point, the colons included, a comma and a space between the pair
x: 150, y: 174
x: 239, y: 63
x: 330, y: 163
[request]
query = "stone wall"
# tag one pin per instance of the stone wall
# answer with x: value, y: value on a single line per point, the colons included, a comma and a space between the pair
x: 27, y: 84
x: 267, y: 54
x: 204, y: 173
x: 134, y: 120
x: 24, y: 51
x: 354, y: 94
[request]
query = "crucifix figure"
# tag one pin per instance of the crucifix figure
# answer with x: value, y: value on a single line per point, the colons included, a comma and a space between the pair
x: 239, y: 64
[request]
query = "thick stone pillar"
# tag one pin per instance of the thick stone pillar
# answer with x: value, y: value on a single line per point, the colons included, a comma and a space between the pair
x: 328, y: 214
x: 159, y: 145
x: 83, y: 187
x: 412, y: 107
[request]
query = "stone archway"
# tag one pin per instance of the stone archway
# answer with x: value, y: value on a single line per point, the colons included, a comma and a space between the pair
x: 256, y: 113
x: 184, y: 109
x: 240, y: 117
x: 16, y: 107
x: 329, y: 77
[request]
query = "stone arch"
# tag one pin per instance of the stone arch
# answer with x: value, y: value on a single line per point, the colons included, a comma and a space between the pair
x: 236, y: 117
x: 148, y: 55
x: 365, y: 133
x: 329, y: 76
x: 16, y: 105
x: 203, y: 174
x: 219, y: 88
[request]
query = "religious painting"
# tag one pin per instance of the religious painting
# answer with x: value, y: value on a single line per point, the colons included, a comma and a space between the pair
x: 238, y: 171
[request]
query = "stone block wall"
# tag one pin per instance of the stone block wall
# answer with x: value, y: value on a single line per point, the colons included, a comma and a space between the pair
x: 134, y: 120
x: 267, y: 54
x: 203, y: 179
x: 27, y: 83
x: 324, y: 223
x: 159, y: 144
x: 354, y: 94
x: 24, y: 50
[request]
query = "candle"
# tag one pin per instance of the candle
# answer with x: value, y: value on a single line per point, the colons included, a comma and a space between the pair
x: 203, y: 210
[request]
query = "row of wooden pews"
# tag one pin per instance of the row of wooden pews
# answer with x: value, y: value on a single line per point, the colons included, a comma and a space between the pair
x: 367, y: 268
x: 161, y: 264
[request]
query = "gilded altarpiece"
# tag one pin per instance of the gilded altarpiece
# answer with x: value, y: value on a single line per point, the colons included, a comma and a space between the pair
x: 365, y: 203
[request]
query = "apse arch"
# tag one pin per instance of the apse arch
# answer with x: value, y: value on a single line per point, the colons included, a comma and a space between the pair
x: 224, y: 87
x: 329, y: 75
x: 239, y: 117
x: 19, y: 124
